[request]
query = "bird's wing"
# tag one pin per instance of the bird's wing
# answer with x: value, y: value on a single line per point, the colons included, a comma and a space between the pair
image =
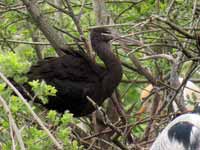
x: 67, y: 67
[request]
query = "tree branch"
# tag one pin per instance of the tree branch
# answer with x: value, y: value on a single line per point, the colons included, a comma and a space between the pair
x: 12, y: 123
x: 56, y: 40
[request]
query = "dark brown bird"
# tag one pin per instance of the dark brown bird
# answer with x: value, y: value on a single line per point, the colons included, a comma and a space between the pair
x: 75, y: 76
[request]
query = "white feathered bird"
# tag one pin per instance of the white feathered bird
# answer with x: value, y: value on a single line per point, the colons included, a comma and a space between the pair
x: 183, y: 133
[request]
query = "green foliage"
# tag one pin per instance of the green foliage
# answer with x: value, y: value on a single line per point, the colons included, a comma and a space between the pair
x: 26, y: 52
x: 64, y: 133
x: 50, y: 52
x: 36, y: 139
x: 179, y: 1
x: 2, y: 87
x: 12, y: 65
x: 16, y: 58
x: 33, y: 136
x: 16, y: 105
x: 67, y: 118
x: 52, y: 117
x: 42, y: 90
x: 5, y: 92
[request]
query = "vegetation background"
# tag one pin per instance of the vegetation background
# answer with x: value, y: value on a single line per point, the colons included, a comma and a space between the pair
x: 168, y: 48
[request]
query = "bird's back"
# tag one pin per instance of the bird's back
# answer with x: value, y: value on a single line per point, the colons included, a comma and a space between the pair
x: 74, y: 77
x: 183, y: 133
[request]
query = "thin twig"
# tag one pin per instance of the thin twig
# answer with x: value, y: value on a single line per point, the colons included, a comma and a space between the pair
x: 168, y: 57
x: 12, y: 136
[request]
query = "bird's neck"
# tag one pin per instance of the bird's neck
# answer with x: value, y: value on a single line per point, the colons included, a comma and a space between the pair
x: 114, y: 69
x: 104, y: 52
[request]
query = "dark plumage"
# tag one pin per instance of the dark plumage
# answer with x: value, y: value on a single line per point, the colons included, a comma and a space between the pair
x: 75, y: 76
x: 183, y: 133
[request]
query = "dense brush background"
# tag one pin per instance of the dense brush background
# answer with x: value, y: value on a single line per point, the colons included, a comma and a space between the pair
x: 168, y: 31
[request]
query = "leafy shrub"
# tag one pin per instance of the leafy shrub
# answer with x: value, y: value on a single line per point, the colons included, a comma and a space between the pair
x: 42, y: 90
x: 12, y: 65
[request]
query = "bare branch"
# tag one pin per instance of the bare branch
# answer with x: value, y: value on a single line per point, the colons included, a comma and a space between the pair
x: 168, y: 57
x: 50, y: 33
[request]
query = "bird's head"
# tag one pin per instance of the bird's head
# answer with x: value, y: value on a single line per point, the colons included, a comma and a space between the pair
x: 101, y: 34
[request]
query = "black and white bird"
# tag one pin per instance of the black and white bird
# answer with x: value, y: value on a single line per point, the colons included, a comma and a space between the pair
x: 183, y: 133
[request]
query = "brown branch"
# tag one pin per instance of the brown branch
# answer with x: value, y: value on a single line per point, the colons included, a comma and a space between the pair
x: 139, y: 67
x: 12, y: 123
x: 175, y: 27
x: 78, y: 26
x: 168, y: 57
x: 56, y: 40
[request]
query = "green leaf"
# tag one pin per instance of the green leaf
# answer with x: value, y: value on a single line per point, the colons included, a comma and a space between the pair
x: 42, y: 90
x: 13, y: 65
x: 67, y: 118
x: 2, y: 86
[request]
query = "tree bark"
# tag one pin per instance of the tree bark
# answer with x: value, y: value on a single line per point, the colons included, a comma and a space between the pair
x: 56, y: 40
